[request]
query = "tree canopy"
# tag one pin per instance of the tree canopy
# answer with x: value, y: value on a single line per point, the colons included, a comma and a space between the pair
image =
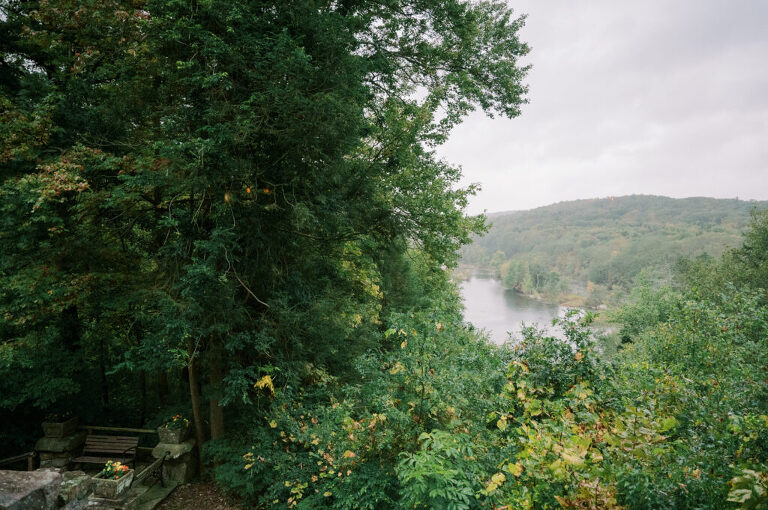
x: 227, y: 186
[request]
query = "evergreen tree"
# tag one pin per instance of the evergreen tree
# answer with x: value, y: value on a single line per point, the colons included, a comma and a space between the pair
x: 211, y: 185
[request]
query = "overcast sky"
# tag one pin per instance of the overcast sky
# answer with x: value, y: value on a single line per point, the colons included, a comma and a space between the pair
x: 654, y: 97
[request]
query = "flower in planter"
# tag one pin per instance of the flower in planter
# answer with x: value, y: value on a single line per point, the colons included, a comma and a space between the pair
x: 176, y: 422
x: 58, y: 417
x: 114, y: 469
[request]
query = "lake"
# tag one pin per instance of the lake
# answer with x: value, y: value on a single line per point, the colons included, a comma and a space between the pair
x: 497, y: 310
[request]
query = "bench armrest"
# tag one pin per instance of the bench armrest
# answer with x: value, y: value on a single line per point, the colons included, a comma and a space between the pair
x: 134, y: 448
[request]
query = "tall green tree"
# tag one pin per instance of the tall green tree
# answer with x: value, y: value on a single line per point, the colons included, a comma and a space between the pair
x: 212, y: 184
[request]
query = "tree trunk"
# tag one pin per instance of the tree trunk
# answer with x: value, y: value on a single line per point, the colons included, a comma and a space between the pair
x: 143, y: 384
x: 194, y: 392
x: 69, y: 324
x: 217, y: 412
x: 103, y: 371
x: 162, y: 387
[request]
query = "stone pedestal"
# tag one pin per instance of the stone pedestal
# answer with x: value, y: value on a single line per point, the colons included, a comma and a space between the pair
x: 181, y: 464
x: 58, y: 451
x: 24, y: 490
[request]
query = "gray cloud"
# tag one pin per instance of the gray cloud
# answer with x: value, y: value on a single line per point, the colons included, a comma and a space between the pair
x: 667, y: 98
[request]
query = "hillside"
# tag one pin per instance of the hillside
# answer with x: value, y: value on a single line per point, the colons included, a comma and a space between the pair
x: 589, y: 252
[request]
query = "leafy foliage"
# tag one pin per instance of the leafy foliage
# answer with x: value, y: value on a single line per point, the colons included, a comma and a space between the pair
x: 213, y: 186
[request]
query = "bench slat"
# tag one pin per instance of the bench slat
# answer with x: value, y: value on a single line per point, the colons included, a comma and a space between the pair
x: 99, y: 449
x: 110, y: 448
x: 110, y: 445
x: 111, y: 442
x: 112, y: 439
x: 107, y: 443
x: 120, y: 447
x: 99, y: 460
x: 108, y: 451
x: 101, y: 441
x: 105, y: 436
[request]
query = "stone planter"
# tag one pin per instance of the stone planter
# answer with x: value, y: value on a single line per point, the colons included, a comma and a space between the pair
x: 62, y: 429
x: 109, y: 487
x: 172, y: 436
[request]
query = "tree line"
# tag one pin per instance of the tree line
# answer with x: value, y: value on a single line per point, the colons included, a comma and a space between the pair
x: 589, y: 252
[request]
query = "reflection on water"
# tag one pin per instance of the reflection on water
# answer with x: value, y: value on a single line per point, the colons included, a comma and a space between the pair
x: 490, y: 306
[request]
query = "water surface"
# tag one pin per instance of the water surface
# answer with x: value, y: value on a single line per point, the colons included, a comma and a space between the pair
x: 490, y: 306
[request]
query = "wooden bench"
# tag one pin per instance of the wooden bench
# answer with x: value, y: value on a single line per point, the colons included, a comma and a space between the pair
x: 100, y: 449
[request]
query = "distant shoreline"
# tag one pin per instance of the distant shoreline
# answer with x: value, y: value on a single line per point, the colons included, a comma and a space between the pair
x: 466, y: 271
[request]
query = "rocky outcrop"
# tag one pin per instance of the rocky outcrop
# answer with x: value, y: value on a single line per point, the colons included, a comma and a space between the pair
x: 30, y: 490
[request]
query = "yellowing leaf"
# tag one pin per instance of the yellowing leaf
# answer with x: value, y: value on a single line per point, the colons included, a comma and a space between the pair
x: 265, y: 383
x: 349, y: 454
x: 579, y: 356
x: 273, y: 424
x: 327, y: 494
x: 572, y: 457
x: 667, y: 424
x: 402, y: 345
x: 502, y: 423
x: 515, y: 469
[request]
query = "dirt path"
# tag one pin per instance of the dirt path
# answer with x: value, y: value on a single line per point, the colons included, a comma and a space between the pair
x: 199, y: 496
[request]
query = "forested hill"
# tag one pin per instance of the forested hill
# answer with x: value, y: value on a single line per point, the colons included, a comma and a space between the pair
x: 596, y: 247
